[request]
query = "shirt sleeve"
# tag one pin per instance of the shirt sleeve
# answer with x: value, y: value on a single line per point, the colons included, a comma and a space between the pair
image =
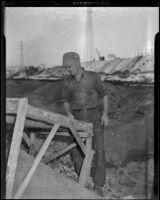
x: 65, y: 95
x: 100, y: 87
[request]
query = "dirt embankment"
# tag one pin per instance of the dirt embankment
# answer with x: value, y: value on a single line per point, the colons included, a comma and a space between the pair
x: 47, y: 183
x: 130, y: 132
x: 129, y: 138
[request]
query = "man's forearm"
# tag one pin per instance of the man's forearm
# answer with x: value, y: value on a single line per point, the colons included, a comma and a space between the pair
x: 105, y: 104
x: 105, y: 119
x: 67, y: 108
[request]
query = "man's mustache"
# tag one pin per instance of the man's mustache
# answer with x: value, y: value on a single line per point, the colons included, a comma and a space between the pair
x: 69, y: 72
x: 72, y: 75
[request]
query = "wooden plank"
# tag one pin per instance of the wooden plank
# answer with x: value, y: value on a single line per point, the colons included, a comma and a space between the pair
x: 35, y: 113
x: 15, y: 146
x: 26, y: 139
x: 86, y: 168
x: 49, y: 117
x: 81, y: 134
x: 32, y: 137
x: 29, y: 123
x: 41, y: 125
x: 36, y: 162
x: 77, y: 137
x: 61, y: 152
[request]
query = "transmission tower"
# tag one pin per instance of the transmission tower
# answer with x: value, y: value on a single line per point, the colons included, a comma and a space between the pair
x: 22, y: 71
x: 89, y: 56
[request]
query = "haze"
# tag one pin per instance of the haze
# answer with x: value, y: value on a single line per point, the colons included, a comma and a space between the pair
x: 49, y: 32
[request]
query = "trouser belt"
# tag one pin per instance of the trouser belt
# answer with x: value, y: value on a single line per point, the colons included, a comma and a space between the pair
x: 85, y: 109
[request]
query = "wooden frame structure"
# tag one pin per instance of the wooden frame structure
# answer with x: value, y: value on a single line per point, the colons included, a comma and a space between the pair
x: 25, y: 115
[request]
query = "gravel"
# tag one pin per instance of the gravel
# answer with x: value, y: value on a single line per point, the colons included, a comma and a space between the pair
x: 121, y: 182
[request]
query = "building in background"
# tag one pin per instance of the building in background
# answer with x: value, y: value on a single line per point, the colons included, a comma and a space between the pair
x: 111, y: 56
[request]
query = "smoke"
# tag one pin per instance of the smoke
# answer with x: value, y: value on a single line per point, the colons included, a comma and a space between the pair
x: 47, y: 33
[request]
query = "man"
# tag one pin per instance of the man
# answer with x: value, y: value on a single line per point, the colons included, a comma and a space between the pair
x: 81, y: 95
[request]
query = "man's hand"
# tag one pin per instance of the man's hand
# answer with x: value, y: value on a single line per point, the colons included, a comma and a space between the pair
x: 105, y: 120
x: 70, y: 115
x: 68, y: 110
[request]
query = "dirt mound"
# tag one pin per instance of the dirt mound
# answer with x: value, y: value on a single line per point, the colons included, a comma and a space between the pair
x: 135, y: 179
x: 47, y: 183
x: 19, y: 88
x: 130, y: 110
x: 125, y: 142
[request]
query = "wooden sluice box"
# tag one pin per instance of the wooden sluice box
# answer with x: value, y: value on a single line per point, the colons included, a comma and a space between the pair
x: 23, y: 115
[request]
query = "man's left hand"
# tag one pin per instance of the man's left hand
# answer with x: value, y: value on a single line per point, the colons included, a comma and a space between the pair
x: 105, y: 120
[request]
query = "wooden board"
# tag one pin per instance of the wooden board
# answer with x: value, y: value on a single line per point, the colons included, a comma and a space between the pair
x: 59, y: 153
x: 47, y: 183
x: 26, y: 139
x: 36, y: 162
x: 47, y: 117
x: 86, y: 168
x: 15, y: 146
x: 87, y: 162
x: 77, y: 137
x: 39, y: 126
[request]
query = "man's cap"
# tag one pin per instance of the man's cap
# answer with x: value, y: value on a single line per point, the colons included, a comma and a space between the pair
x: 70, y: 56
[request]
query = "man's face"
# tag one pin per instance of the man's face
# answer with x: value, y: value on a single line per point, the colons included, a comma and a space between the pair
x: 72, y: 67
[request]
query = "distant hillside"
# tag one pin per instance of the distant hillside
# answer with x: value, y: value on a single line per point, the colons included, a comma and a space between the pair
x: 14, y: 71
x: 137, y: 69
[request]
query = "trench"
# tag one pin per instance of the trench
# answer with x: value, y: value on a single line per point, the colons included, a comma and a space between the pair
x: 129, y: 138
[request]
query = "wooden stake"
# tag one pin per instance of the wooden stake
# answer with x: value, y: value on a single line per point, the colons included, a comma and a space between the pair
x: 85, y: 171
x: 31, y: 150
x: 86, y: 168
x: 61, y: 152
x: 36, y: 162
x: 15, y: 146
x: 77, y: 137
x: 26, y: 139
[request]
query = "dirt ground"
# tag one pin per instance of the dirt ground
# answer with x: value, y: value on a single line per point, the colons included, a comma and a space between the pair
x: 131, y: 112
x: 46, y: 183
x: 134, y: 179
x: 129, y: 138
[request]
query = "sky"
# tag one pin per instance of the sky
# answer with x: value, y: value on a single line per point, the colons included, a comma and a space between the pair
x: 49, y: 32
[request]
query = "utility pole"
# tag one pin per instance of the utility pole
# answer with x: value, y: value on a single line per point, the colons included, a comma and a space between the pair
x: 22, y: 70
x: 89, y: 56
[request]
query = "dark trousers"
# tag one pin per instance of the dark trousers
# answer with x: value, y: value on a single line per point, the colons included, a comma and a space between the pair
x: 98, y: 169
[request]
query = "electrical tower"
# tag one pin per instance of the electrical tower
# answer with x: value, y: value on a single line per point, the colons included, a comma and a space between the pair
x: 22, y: 71
x: 89, y: 56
